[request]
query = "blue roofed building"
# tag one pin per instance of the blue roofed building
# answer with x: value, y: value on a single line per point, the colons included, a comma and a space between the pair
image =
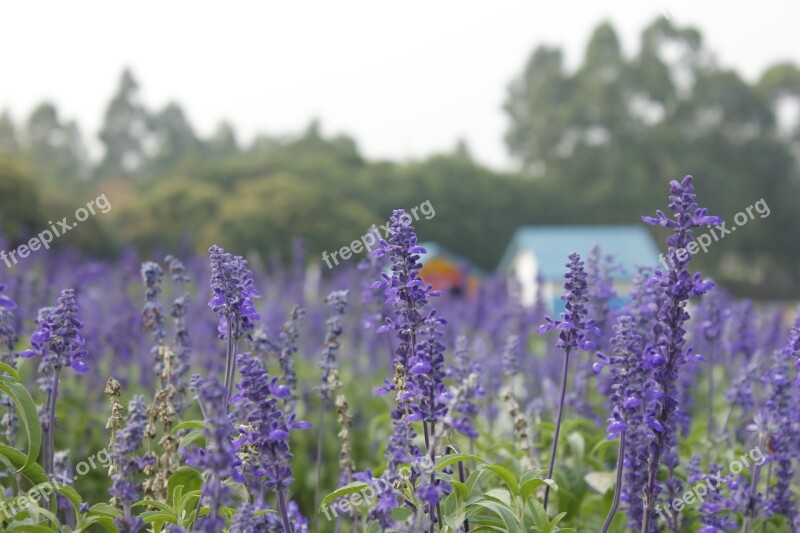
x: 538, y: 254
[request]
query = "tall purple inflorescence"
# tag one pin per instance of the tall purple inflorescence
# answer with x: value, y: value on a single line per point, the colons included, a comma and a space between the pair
x: 671, y: 352
x: 330, y: 380
x: 574, y: 330
x: 419, y: 359
x: 218, y: 459
x: 781, y: 414
x: 627, y: 382
x: 232, y: 284
x: 465, y: 373
x: 266, y: 432
x: 182, y: 348
x: 290, y: 333
x: 127, y: 464
x: 153, y: 312
x: 58, y: 341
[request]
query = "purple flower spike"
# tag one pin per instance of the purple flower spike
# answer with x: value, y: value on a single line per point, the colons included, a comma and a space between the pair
x: 669, y: 351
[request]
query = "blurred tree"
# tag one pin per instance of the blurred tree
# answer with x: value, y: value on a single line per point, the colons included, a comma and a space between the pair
x: 222, y: 143
x: 126, y: 132
x: 20, y: 206
x: 174, y: 139
x: 606, y: 138
x: 55, y: 149
x: 8, y: 135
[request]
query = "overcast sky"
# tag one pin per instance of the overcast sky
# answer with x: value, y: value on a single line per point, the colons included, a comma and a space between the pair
x: 404, y: 78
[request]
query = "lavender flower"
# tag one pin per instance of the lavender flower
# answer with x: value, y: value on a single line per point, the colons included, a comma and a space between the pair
x: 182, y: 348
x: 127, y: 464
x: 245, y: 521
x: 57, y: 336
x: 466, y: 390
x: 574, y: 330
x: 218, y: 459
x: 419, y: 359
x: 58, y: 341
x: 671, y: 352
x: 232, y: 284
x: 266, y: 431
x: 330, y: 380
x: 289, y: 335
x: 780, y: 412
x: 715, y: 516
x: 627, y: 381
x: 153, y: 313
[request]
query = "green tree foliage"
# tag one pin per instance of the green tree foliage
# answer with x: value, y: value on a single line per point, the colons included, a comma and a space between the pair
x: 595, y: 144
x: 55, y: 149
x: 605, y: 136
x: 9, y: 144
x: 125, y: 132
x: 20, y: 206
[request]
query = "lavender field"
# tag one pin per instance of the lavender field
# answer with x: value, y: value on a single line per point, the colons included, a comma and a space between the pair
x: 421, y: 267
x: 209, y: 394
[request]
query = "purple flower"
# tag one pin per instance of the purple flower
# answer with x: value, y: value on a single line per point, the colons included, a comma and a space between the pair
x: 266, y: 430
x: 337, y: 300
x: 573, y: 326
x: 289, y: 335
x: 153, y: 313
x: 57, y: 336
x: 780, y: 412
x: 627, y: 377
x: 127, y: 464
x: 670, y: 351
x: 573, y: 334
x: 218, y: 459
x: 232, y: 284
x: 182, y: 348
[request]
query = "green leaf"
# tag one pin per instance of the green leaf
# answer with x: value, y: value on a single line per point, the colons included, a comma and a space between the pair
x: 453, y: 458
x: 153, y: 503
x: 529, y: 487
x: 194, y: 424
x: 26, y: 408
x: 554, y: 522
x: 187, y: 477
x: 104, y: 509
x: 192, y: 437
x: 35, y: 474
x: 532, y: 474
x: 540, y: 519
x: 65, y: 490
x: 506, y: 515
x: 461, y: 489
x: 150, y: 517
x: 508, y: 478
x: 355, y: 486
x: 30, y: 528
x: 9, y: 370
x: 101, y: 520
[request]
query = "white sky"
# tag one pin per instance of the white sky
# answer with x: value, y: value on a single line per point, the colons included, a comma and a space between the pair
x: 406, y: 79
